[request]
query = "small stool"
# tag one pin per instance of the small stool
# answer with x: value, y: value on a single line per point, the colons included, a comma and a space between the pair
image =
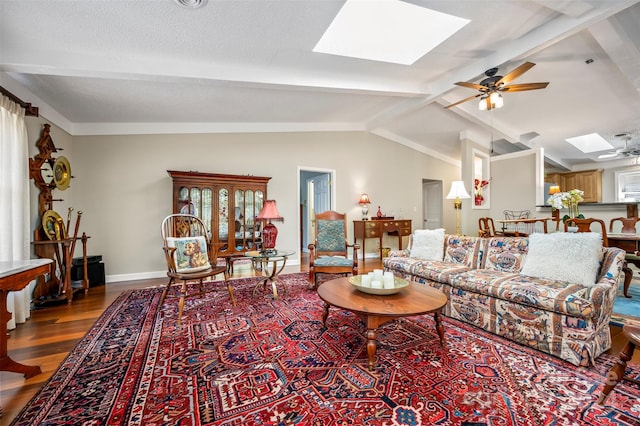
x: 632, y: 333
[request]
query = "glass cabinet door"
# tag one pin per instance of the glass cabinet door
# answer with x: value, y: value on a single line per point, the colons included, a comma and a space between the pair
x: 239, y: 218
x: 223, y: 220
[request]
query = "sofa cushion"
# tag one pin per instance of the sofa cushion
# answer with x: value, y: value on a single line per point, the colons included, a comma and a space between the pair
x: 427, y: 244
x: 463, y: 250
x: 506, y: 253
x: 549, y: 295
x: 564, y: 256
x: 432, y: 270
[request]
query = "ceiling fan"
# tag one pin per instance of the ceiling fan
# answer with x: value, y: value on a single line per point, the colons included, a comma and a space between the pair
x: 629, y: 150
x: 493, y: 84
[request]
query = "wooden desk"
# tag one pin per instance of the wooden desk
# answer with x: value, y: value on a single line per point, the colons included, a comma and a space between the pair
x: 363, y: 229
x: 14, y: 276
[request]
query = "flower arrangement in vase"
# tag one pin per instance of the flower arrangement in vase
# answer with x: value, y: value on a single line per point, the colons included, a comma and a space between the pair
x: 570, y: 200
x: 478, y: 185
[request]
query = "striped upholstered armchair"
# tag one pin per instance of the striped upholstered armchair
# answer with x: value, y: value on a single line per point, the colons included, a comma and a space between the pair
x: 328, y: 254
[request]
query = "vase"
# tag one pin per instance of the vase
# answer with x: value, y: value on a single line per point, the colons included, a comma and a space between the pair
x: 574, y: 212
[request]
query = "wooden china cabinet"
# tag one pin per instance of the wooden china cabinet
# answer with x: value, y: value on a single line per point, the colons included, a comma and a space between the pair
x: 228, y: 205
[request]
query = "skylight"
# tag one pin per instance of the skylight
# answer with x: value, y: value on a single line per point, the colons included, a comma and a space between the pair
x: 387, y: 30
x: 590, y: 143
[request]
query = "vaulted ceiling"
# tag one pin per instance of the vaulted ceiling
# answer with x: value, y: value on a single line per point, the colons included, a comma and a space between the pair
x: 123, y: 67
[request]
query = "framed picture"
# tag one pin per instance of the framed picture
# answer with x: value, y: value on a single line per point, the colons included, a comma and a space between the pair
x: 481, y: 187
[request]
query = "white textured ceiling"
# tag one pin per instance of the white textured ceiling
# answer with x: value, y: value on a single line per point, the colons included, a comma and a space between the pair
x: 147, y: 66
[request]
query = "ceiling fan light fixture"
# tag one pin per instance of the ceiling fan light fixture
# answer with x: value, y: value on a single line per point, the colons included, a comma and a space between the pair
x: 482, y: 106
x: 191, y: 4
x: 496, y: 100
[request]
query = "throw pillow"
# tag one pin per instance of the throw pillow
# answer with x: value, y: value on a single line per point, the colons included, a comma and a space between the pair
x: 564, y: 256
x: 428, y: 244
x: 191, y: 254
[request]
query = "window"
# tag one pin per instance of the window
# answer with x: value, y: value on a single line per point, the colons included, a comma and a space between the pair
x: 628, y: 185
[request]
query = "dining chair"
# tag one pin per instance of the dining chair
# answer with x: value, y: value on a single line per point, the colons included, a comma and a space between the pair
x: 628, y: 227
x: 511, y: 215
x: 486, y: 228
x: 190, y: 257
x: 628, y: 224
x: 584, y: 225
x: 328, y: 254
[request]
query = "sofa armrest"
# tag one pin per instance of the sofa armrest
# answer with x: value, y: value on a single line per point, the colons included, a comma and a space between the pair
x: 603, y: 293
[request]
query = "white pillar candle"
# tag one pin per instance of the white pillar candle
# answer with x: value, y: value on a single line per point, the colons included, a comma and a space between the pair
x: 388, y: 281
x: 376, y: 284
x: 377, y: 274
x: 365, y: 280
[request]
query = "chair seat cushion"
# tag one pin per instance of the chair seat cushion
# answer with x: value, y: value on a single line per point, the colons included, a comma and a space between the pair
x: 332, y: 261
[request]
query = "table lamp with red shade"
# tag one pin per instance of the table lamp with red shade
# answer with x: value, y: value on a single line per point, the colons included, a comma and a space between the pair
x: 268, y: 214
x: 364, y: 200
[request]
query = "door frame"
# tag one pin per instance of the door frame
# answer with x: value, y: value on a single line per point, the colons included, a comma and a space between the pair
x: 303, y: 224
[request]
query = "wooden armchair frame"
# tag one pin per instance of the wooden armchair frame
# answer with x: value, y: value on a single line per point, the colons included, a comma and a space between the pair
x: 183, y: 226
x: 331, y: 258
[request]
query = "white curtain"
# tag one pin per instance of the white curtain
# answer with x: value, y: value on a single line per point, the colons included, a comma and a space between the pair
x: 14, y: 200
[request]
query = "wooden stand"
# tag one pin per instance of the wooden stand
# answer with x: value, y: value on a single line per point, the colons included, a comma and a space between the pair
x: 59, y: 249
x: 57, y: 289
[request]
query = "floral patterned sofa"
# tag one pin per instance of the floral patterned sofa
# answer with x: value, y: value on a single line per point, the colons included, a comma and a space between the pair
x: 485, y: 287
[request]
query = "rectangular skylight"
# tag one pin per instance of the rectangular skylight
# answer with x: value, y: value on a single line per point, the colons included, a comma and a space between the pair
x: 590, y: 143
x: 387, y: 30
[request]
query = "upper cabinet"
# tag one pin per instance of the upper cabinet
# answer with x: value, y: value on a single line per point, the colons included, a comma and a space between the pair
x: 228, y: 205
x: 590, y: 181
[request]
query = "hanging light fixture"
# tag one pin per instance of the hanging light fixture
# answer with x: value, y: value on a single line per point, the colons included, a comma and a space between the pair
x: 488, y: 102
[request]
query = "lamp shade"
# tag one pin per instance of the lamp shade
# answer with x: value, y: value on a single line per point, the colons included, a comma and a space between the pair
x: 364, y: 199
x: 457, y: 191
x: 269, y: 212
x: 554, y: 189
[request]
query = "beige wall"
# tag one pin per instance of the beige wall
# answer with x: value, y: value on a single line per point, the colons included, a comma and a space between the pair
x: 121, y: 184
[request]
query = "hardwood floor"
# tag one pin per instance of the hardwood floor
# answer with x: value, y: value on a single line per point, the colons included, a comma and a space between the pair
x: 51, y: 332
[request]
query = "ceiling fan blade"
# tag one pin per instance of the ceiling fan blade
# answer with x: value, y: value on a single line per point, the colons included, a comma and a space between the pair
x: 610, y: 155
x: 472, y: 85
x: 464, y: 100
x: 515, y: 73
x: 524, y: 86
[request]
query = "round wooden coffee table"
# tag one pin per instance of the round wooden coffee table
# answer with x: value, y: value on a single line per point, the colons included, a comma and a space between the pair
x: 416, y: 299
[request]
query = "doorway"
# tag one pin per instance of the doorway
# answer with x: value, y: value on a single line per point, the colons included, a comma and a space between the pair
x: 431, y: 204
x: 316, y: 195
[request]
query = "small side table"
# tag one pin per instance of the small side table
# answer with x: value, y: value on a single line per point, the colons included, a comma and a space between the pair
x: 272, y: 262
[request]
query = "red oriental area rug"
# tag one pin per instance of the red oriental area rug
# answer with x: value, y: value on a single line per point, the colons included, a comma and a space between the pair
x: 271, y: 362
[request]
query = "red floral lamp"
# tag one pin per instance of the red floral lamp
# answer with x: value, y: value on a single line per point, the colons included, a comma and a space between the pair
x: 269, y: 213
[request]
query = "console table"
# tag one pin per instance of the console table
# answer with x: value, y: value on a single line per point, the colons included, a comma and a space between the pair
x: 363, y: 229
x: 14, y: 276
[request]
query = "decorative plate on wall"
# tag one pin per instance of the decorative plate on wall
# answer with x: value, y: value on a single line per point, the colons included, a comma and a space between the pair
x: 62, y: 173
